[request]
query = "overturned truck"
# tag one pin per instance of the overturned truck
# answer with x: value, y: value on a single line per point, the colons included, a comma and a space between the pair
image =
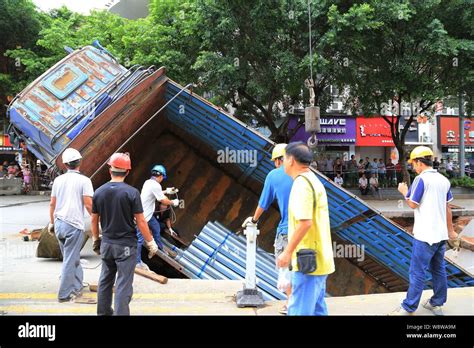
x: 90, y: 102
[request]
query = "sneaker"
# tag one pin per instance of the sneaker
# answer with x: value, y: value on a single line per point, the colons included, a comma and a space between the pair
x: 283, y: 310
x: 437, y: 310
x: 400, y: 311
x: 142, y: 266
x: 70, y: 298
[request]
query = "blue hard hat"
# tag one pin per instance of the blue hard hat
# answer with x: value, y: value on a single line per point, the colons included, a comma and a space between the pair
x: 158, y: 170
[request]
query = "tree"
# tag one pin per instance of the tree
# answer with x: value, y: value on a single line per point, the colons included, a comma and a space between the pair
x: 255, y: 57
x: 401, y: 51
x: 19, y: 25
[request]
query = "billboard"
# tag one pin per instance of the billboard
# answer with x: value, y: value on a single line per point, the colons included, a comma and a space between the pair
x: 373, y: 131
x: 448, y: 129
x: 335, y: 130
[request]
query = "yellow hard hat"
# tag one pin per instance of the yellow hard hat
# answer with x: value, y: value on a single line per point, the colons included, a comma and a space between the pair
x: 278, y: 151
x: 420, y: 151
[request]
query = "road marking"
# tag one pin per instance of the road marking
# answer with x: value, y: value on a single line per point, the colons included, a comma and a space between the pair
x: 142, y: 296
x: 137, y: 309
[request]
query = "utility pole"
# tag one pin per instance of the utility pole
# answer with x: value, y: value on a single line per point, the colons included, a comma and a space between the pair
x: 461, y: 136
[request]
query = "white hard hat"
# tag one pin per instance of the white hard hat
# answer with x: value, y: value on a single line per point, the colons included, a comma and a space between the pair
x: 71, y: 155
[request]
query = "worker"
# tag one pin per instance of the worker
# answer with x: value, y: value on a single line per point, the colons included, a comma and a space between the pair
x: 428, y: 195
x: 151, y: 192
x: 71, y: 193
x: 277, y: 186
x: 309, y: 250
x: 116, y: 205
x: 164, y: 217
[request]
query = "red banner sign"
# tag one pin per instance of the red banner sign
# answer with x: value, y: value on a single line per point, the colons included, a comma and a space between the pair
x: 373, y: 131
x: 449, y: 131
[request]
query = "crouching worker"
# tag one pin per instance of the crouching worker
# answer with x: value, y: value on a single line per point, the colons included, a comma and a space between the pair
x: 152, y: 192
x: 164, y: 217
x: 116, y: 205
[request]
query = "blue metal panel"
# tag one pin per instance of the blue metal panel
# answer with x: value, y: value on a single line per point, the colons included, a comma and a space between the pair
x: 217, y: 253
x: 351, y: 219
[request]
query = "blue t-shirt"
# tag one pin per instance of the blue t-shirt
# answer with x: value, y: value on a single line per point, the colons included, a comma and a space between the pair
x: 277, y: 186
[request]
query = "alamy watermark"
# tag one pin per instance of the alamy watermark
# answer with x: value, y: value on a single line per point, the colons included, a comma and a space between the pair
x: 37, y: 331
x: 349, y: 251
x: 18, y: 251
x: 228, y: 155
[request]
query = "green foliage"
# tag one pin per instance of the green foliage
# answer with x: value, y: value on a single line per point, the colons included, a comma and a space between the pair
x: 254, y: 55
x: 405, y: 50
x: 465, y: 181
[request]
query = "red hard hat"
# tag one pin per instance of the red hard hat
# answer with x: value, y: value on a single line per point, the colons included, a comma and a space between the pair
x: 120, y: 160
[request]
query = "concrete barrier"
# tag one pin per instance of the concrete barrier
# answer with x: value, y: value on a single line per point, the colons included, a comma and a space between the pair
x: 12, y: 186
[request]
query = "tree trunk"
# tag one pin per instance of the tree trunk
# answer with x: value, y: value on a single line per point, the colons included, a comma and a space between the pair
x: 401, y: 159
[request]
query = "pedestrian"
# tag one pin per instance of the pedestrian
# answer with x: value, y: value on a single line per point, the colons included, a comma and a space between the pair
x: 428, y: 195
x: 277, y: 187
x: 374, y: 186
x: 116, y: 205
x: 367, y: 166
x: 338, y: 167
x: 152, y: 192
x: 11, y: 171
x: 361, y: 168
x: 309, y: 249
x: 398, y: 172
x: 26, y: 178
x: 390, y: 170
x: 329, y: 167
x: 381, y: 170
x: 71, y: 193
x: 322, y: 165
x: 363, y: 185
x: 352, y: 171
x: 450, y: 168
x: 436, y: 163
x: 374, y: 167
x: 442, y: 167
x: 338, y: 180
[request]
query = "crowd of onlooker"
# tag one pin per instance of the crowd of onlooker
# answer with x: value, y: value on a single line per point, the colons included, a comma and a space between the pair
x: 10, y: 170
x: 354, y: 173
x: 372, y: 175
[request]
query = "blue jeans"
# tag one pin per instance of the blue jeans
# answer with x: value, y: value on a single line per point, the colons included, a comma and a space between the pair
x: 426, y: 257
x: 70, y: 241
x: 307, y: 297
x: 154, y: 226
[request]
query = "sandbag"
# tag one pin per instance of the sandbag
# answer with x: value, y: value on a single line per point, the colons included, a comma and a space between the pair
x: 48, y: 246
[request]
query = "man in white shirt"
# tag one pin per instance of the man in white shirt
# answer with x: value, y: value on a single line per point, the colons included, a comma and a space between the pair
x: 71, y: 193
x: 363, y: 185
x: 152, y: 192
x: 428, y: 195
x: 450, y: 168
x: 374, y: 185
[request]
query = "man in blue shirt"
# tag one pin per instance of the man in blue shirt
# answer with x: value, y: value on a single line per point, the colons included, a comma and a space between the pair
x: 277, y: 186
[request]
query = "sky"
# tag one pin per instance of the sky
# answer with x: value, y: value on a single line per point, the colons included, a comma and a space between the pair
x: 82, y: 6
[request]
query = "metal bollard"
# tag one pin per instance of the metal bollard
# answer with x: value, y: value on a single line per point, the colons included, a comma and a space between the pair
x: 250, y: 296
